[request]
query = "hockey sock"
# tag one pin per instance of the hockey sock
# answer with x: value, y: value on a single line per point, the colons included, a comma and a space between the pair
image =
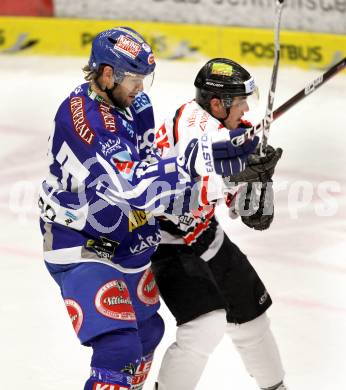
x: 115, y: 358
x: 150, y: 332
x: 142, y: 372
x: 103, y: 379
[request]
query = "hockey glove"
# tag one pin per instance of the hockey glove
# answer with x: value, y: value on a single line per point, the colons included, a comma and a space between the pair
x: 256, y: 205
x: 258, y: 169
x: 215, y: 154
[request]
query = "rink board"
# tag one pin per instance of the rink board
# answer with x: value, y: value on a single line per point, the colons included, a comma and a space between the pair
x: 72, y: 37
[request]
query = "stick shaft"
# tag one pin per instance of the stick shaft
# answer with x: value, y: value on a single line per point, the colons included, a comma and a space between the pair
x: 310, y: 88
x: 272, y: 88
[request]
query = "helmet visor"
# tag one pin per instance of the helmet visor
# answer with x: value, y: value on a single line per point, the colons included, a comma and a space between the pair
x: 243, y: 103
x: 134, y: 83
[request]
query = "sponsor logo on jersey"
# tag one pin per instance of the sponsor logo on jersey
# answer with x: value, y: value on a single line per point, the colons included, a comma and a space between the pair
x: 147, y: 290
x: 187, y: 220
x: 78, y: 90
x: 191, y: 120
x: 141, y: 102
x: 162, y: 138
x: 107, y: 386
x: 138, y: 218
x: 146, y: 140
x: 204, y: 120
x: 125, y: 168
x: 79, y: 120
x: 128, y: 128
x: 110, y: 146
x: 127, y: 46
x: 76, y: 314
x: 113, y: 301
x: 145, y: 243
x: 108, y: 118
x: 104, y: 247
x: 142, y: 373
x: 70, y: 217
x: 124, y: 165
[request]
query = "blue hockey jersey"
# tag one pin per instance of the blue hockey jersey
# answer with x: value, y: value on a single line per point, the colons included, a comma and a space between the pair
x: 105, y: 183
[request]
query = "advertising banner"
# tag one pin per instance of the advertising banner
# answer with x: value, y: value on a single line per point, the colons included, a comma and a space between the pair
x: 307, y: 15
x: 26, y: 8
x: 72, y: 37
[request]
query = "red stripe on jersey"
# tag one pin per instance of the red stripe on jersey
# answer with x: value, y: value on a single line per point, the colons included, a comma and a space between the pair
x: 176, y: 119
x: 204, y: 190
x: 230, y: 198
x: 200, y: 228
x: 162, y: 138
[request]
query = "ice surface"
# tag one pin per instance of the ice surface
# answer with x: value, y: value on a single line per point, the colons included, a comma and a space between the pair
x: 302, y: 258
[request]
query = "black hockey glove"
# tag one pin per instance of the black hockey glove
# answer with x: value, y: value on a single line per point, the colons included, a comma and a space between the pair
x: 256, y: 205
x: 258, y: 169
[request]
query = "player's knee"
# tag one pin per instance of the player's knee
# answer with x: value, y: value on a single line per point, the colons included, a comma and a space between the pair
x: 151, y: 332
x: 204, y: 333
x: 249, y: 333
x: 117, y: 350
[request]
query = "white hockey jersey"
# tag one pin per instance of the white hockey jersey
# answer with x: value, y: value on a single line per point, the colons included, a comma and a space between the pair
x: 191, y: 121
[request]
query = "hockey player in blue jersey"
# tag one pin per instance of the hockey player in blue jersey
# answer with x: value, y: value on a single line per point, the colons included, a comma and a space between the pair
x: 99, y: 201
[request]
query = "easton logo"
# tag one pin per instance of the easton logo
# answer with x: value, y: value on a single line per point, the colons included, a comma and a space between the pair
x: 206, y: 154
x: 80, y: 122
x: 127, y: 46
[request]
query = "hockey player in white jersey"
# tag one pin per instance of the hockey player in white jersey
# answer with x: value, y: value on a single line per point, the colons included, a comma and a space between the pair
x: 205, y: 280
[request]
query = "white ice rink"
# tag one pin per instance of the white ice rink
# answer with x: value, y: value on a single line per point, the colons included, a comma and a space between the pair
x: 302, y: 258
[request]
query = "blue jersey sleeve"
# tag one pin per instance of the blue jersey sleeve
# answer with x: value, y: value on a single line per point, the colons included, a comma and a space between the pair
x: 96, y: 154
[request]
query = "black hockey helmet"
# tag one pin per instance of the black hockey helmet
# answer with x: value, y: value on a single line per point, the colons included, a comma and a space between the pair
x: 223, y: 79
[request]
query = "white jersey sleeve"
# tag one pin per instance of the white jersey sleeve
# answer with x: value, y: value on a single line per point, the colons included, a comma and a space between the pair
x: 191, y: 121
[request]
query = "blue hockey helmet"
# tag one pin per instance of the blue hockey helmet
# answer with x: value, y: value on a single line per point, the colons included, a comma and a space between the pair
x: 124, y: 50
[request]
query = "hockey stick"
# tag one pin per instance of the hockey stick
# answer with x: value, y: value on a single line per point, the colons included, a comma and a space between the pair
x: 311, y: 87
x: 271, y: 94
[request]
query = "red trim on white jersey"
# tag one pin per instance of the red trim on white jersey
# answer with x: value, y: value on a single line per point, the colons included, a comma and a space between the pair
x: 200, y: 227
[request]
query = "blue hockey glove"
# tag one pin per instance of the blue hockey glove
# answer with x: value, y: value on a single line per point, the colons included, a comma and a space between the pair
x: 215, y: 154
